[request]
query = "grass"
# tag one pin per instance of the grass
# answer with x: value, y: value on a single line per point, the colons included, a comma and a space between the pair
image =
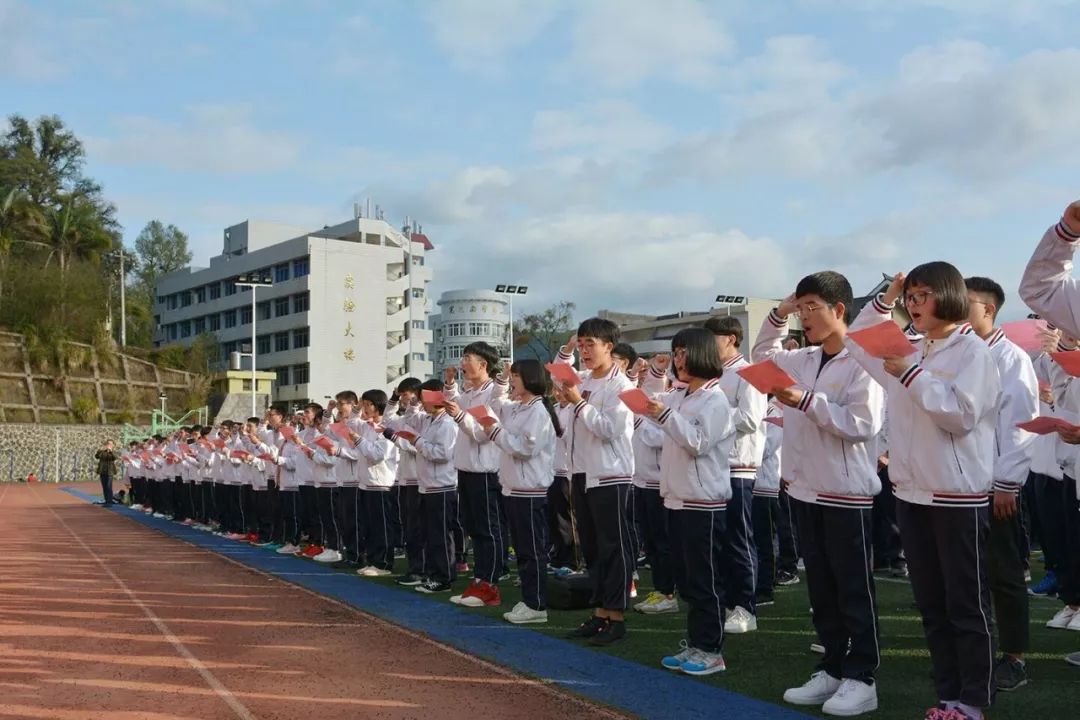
x: 763, y: 663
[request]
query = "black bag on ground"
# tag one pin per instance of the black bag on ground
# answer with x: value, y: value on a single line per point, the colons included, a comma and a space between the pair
x: 569, y: 592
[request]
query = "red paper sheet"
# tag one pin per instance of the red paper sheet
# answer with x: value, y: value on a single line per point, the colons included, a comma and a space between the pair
x: 325, y: 443
x: 433, y: 397
x: 563, y: 374
x: 219, y: 444
x: 341, y: 430
x: 1069, y: 361
x: 1045, y: 425
x: 766, y: 376
x: 482, y: 415
x: 636, y: 400
x: 286, y: 432
x: 241, y: 454
x: 266, y: 456
x: 777, y: 420
x: 883, y: 340
x: 410, y: 436
x: 1028, y: 334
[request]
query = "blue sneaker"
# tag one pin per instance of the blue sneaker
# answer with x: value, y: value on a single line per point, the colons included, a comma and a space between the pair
x: 273, y: 546
x: 703, y: 663
x: 675, y: 662
x: 1047, y: 586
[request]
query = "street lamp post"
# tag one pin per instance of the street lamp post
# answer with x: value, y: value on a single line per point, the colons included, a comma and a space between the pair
x: 510, y: 291
x: 162, y: 397
x: 253, y: 280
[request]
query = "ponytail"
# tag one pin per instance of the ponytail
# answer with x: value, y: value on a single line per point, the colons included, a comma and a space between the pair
x: 554, y: 417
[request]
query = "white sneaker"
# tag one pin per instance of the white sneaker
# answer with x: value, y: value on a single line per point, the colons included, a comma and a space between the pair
x: 159, y: 515
x: 328, y: 556
x: 817, y: 648
x: 739, y: 621
x: 658, y: 604
x: 1073, y: 659
x: 820, y: 687
x: 1074, y: 624
x: 1062, y: 620
x: 853, y: 697
x: 288, y: 549
x: 522, y: 614
x: 136, y: 506
x: 372, y: 571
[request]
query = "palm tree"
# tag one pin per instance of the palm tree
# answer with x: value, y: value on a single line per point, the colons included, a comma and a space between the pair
x: 75, y: 233
x: 20, y: 222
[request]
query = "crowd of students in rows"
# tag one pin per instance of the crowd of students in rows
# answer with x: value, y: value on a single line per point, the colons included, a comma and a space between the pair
x: 678, y: 459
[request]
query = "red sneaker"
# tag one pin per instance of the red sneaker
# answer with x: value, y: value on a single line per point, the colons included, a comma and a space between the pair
x: 478, y: 594
x: 252, y: 537
x: 313, y: 550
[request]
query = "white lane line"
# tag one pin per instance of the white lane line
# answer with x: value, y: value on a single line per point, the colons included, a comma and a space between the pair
x: 223, y: 692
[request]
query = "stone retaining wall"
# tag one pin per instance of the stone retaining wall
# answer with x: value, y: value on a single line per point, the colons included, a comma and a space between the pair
x: 52, y: 452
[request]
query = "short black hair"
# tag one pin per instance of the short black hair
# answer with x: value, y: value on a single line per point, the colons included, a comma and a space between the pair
x: 346, y: 396
x: 627, y: 352
x: 409, y: 384
x: 830, y: 286
x: 433, y: 384
x: 725, y: 326
x: 599, y: 328
x: 377, y: 398
x: 950, y: 292
x: 986, y: 286
x: 254, y: 420
x: 277, y: 410
x: 485, y: 352
x: 702, y: 358
x: 536, y: 380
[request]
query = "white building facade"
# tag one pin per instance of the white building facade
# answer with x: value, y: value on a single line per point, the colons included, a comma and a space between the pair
x: 467, y: 316
x: 348, y: 308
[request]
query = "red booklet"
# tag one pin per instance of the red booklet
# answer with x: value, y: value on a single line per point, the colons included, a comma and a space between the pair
x: 777, y: 420
x: 325, y: 443
x: 883, y: 340
x: 433, y: 397
x: 636, y: 400
x: 241, y: 454
x: 341, y: 430
x: 287, y: 432
x: 483, y: 415
x: 563, y: 374
x: 1045, y: 425
x: 766, y: 376
x: 410, y: 436
x: 1069, y: 361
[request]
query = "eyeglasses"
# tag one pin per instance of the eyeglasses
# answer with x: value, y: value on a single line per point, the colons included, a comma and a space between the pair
x: 678, y: 352
x: 917, y: 299
x: 808, y: 309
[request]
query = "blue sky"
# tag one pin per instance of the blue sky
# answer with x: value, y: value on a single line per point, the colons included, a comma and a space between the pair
x: 624, y: 154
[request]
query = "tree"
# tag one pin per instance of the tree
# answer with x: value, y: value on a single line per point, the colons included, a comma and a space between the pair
x: 161, y: 249
x: 547, y: 330
x: 21, y: 221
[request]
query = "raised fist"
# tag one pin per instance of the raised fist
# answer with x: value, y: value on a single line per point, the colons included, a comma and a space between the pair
x: 895, y: 289
x: 450, y: 375
x: 1071, y: 218
x: 787, y: 306
x: 570, y: 346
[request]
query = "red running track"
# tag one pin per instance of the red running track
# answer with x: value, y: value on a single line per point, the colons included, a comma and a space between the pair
x: 103, y: 619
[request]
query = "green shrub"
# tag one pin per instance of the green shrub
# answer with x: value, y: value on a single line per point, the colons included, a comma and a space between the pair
x: 86, y: 410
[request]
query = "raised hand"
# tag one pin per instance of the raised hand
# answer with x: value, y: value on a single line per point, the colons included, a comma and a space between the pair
x: 661, y: 361
x: 895, y: 289
x: 786, y: 306
x: 1071, y: 218
x: 570, y: 346
x: 450, y: 375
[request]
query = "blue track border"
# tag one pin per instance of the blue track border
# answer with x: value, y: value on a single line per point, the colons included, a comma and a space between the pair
x: 631, y: 687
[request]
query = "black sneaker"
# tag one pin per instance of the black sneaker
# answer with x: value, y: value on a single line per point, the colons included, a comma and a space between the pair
x: 611, y: 632
x: 587, y: 629
x: 429, y: 587
x: 409, y: 580
x: 1010, y: 674
x: 787, y: 578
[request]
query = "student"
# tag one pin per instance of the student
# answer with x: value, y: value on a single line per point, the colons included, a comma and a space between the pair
x: 403, y: 412
x: 106, y: 467
x: 438, y: 489
x: 327, y: 491
x: 626, y: 358
x: 562, y: 531
x: 525, y: 432
x: 749, y: 406
x: 1018, y: 403
x: 291, y: 458
x: 766, y: 507
x: 348, y: 470
x: 945, y: 397
x: 648, y: 443
x: 602, y: 465
x: 699, y: 432
x: 831, y: 419
x: 477, y: 463
x: 377, y: 471
x: 306, y: 473
x: 1050, y: 290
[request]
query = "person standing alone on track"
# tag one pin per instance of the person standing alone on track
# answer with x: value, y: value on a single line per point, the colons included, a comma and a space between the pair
x: 106, y: 460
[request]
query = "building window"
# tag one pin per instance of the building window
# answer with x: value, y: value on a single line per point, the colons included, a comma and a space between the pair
x: 300, y: 374
x: 418, y: 324
x: 230, y: 318
x: 301, y: 303
x: 281, y: 273
x: 301, y: 338
x: 418, y: 356
x: 262, y: 345
x: 213, y: 322
x: 172, y: 331
x: 185, y: 329
x: 185, y: 298
x: 230, y: 288
x: 263, y: 309
x: 281, y: 342
x: 215, y: 290
x: 281, y: 306
x: 228, y: 348
x: 171, y: 301
x: 418, y: 292
x: 301, y: 267
x: 200, y: 295
x: 283, y: 375
x: 245, y: 315
x: 200, y: 325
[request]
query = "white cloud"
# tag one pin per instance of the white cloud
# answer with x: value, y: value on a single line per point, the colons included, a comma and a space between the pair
x: 603, y: 128
x: 621, y: 43
x: 478, y: 34
x: 210, y: 139
x: 23, y: 53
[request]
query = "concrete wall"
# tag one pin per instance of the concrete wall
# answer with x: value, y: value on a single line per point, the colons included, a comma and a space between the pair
x: 52, y: 452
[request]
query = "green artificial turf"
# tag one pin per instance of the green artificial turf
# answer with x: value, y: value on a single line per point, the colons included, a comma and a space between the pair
x: 764, y: 663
